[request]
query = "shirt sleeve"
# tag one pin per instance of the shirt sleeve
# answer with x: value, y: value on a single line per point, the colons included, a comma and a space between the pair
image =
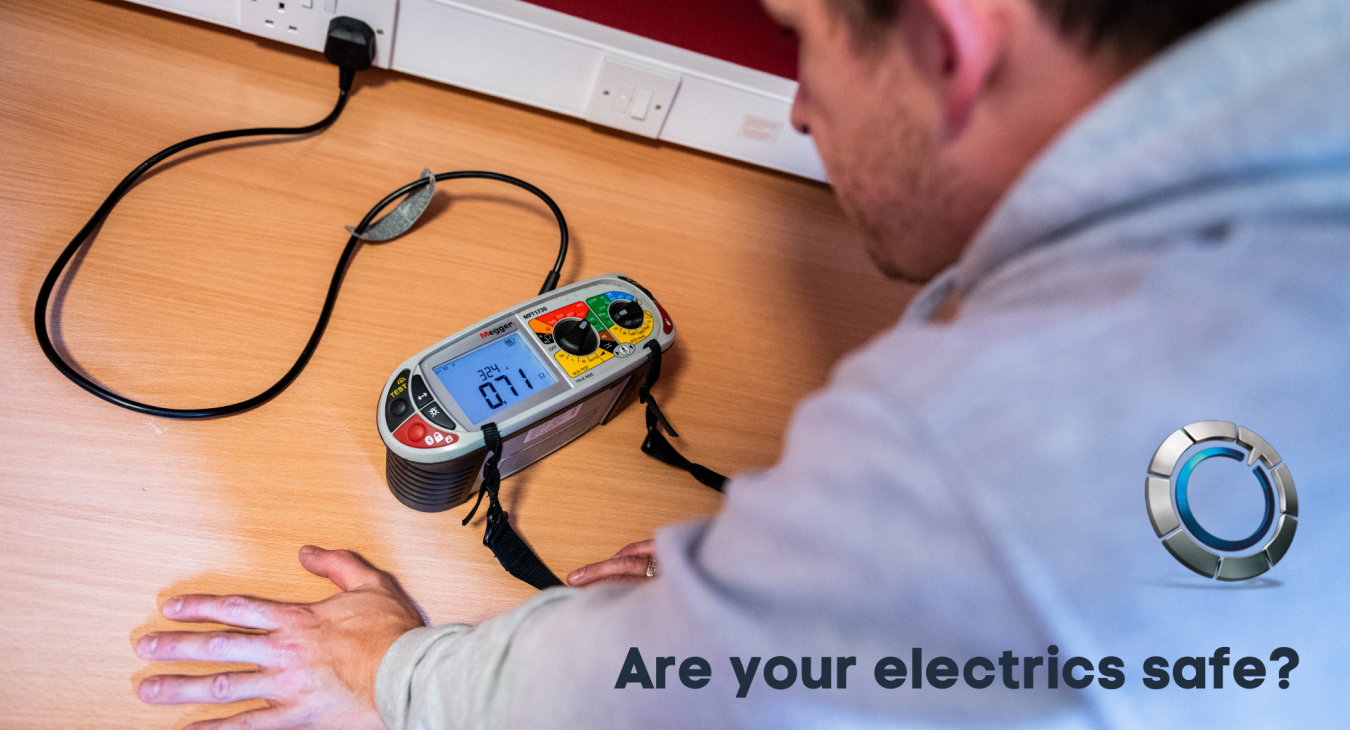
x: 861, y: 543
x: 444, y: 677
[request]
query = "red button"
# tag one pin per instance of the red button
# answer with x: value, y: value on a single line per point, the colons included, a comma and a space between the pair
x: 666, y: 324
x: 419, y: 434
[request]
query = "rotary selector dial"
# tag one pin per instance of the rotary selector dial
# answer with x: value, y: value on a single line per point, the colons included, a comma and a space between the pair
x: 576, y: 336
x: 626, y: 313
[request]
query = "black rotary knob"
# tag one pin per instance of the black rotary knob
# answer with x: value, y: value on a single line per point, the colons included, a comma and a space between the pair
x: 576, y: 336
x: 626, y: 313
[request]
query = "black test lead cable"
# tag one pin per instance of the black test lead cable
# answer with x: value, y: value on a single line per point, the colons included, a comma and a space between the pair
x: 350, y: 45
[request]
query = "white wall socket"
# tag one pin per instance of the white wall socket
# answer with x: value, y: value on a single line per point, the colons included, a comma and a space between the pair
x: 304, y: 23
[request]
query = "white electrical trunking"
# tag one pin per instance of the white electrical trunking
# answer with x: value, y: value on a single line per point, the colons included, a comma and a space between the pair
x: 546, y: 59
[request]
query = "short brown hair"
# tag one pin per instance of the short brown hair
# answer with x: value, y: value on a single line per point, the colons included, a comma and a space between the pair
x: 1133, y: 27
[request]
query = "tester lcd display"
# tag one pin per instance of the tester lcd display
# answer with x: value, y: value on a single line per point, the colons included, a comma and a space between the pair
x: 493, y: 378
x: 543, y: 372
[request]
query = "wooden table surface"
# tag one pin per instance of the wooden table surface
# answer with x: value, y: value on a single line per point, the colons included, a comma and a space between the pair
x: 205, y: 283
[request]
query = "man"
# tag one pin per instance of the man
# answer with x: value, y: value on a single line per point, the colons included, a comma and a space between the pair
x: 1134, y: 217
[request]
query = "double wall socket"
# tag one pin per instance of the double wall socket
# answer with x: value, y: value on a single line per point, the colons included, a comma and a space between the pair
x: 304, y: 23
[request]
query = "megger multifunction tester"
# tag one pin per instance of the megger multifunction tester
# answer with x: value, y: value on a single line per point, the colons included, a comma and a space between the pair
x: 496, y: 397
x: 544, y: 372
x: 481, y: 404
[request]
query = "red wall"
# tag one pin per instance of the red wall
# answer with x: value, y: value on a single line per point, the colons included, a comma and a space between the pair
x: 732, y: 30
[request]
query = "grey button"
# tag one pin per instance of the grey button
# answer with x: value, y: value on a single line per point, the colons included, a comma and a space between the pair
x: 420, y: 395
x: 1212, y: 430
x: 1284, y: 486
x: 1242, y: 568
x: 624, y: 349
x: 1184, y: 548
x: 1284, y: 535
x: 437, y: 415
x: 1158, y: 495
x: 1258, y: 448
x: 1165, y: 458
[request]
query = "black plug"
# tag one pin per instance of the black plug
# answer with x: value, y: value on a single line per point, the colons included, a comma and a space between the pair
x: 350, y: 46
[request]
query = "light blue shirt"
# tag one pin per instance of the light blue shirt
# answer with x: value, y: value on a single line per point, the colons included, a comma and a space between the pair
x: 1181, y: 253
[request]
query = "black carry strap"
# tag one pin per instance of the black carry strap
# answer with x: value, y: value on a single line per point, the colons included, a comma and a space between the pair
x: 511, y: 551
x: 656, y: 445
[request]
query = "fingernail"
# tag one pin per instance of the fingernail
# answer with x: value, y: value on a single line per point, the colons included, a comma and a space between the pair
x: 576, y: 575
x: 148, y: 645
x: 150, y: 688
x: 306, y: 550
x: 172, y: 607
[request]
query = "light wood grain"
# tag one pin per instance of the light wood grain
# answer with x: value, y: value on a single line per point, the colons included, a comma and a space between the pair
x: 205, y: 283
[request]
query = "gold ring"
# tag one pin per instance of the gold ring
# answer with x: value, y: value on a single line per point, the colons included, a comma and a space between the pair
x: 651, y: 567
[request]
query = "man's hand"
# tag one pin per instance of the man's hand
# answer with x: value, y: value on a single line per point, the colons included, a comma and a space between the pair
x: 629, y: 565
x: 317, y: 661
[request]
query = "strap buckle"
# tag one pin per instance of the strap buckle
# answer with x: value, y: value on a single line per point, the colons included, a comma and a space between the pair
x: 656, y: 445
x: 511, y: 551
x: 492, y: 476
x: 496, y: 517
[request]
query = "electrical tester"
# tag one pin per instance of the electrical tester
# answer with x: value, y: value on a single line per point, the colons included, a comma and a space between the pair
x: 485, y: 402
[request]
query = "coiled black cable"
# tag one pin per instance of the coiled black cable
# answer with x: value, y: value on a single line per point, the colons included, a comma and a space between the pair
x: 353, y: 245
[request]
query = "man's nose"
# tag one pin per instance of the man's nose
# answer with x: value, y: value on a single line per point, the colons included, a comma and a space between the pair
x: 799, y: 116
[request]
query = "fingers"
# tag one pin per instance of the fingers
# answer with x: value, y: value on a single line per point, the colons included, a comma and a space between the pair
x: 266, y: 718
x: 178, y: 689
x: 205, y: 646
x: 347, y: 570
x: 644, y: 547
x: 242, y: 611
x: 629, y: 566
x: 620, y: 578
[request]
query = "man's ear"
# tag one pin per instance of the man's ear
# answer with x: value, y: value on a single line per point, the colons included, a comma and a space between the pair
x: 970, y: 50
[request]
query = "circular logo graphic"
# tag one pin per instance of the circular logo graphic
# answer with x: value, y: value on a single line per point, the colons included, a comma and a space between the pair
x: 1169, y: 506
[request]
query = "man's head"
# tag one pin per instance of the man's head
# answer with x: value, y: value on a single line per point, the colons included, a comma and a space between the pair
x: 926, y: 111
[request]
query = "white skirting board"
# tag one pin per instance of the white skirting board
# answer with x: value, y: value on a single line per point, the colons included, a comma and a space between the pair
x: 546, y: 59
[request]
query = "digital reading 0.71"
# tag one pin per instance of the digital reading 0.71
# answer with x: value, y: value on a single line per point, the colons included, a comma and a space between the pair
x: 493, y: 377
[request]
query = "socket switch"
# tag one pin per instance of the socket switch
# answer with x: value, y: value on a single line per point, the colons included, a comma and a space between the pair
x: 632, y: 97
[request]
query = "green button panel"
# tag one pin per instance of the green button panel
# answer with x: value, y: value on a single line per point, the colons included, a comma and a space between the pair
x: 600, y: 306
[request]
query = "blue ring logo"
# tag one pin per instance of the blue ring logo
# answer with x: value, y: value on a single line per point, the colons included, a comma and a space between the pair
x: 1183, y: 536
x: 1200, y: 533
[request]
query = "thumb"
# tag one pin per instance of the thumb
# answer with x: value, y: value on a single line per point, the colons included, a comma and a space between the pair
x: 347, y: 570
